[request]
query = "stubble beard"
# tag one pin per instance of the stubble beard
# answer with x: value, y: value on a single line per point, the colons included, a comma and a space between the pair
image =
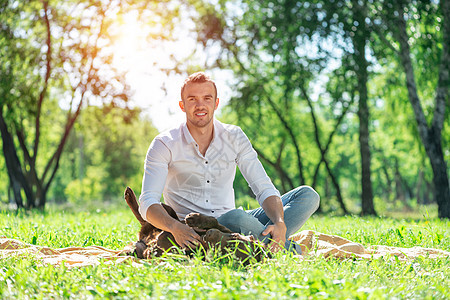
x: 201, y: 123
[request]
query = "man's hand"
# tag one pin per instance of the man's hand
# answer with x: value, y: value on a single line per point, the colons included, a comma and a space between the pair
x: 278, y: 233
x: 185, y: 236
x: 273, y: 206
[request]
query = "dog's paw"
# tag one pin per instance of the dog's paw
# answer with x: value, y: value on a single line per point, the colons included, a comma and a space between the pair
x: 139, y: 250
x: 129, y: 193
x: 200, y: 221
x: 215, y: 237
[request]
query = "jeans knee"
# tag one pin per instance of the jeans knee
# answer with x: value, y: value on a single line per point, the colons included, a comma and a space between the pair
x: 311, y: 196
x: 239, y: 221
x: 232, y: 216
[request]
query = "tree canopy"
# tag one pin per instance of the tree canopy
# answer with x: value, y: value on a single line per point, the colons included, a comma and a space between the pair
x: 350, y: 97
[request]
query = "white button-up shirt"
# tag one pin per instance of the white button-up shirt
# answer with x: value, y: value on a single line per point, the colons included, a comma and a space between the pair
x: 191, y: 182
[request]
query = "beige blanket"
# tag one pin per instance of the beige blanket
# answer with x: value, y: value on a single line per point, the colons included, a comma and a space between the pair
x: 319, y: 244
x: 313, y: 244
x: 70, y: 256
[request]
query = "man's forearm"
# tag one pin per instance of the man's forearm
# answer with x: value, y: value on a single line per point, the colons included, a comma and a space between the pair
x: 273, y: 206
x: 159, y: 218
x: 183, y: 234
x: 274, y: 209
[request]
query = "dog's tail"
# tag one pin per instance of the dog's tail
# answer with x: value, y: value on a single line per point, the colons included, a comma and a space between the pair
x: 130, y: 198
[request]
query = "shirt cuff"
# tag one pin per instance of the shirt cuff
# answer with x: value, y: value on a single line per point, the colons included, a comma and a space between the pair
x: 266, y: 194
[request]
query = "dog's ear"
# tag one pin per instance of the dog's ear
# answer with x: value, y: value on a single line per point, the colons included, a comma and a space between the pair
x: 170, y: 211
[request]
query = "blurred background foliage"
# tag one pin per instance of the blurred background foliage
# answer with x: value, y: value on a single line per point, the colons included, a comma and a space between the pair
x: 323, y: 89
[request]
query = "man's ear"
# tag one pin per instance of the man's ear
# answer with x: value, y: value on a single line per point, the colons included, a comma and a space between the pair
x: 217, y: 103
x: 181, y: 104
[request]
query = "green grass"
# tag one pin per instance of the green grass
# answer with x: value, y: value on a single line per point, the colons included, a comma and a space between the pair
x: 179, y: 278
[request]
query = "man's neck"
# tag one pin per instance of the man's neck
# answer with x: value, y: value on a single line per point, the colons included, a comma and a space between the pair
x: 202, y: 135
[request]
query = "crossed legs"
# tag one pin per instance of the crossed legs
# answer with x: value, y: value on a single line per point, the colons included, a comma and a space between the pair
x: 299, y: 204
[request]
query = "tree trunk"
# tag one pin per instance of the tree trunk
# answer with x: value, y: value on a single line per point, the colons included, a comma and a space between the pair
x: 419, y: 189
x: 429, y: 192
x: 13, y: 166
x: 41, y: 196
x: 440, y: 178
x: 16, y: 189
x: 431, y: 136
x: 359, y: 44
x: 388, y: 181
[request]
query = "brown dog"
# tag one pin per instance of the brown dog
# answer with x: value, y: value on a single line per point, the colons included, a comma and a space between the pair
x: 154, y: 242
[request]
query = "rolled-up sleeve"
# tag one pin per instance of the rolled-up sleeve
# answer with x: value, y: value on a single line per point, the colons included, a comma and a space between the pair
x: 253, y: 171
x: 155, y: 174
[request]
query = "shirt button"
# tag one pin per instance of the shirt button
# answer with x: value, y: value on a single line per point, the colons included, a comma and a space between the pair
x: 206, y: 162
x: 207, y: 200
x: 212, y: 211
x: 207, y: 181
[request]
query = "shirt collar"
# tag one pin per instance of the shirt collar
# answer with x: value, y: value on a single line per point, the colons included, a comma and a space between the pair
x: 187, y: 134
x: 217, y: 127
x: 190, y: 139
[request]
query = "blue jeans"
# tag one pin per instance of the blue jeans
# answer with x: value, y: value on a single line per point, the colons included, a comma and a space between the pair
x: 298, y: 204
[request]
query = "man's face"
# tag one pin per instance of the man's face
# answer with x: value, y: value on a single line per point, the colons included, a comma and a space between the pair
x: 199, y: 103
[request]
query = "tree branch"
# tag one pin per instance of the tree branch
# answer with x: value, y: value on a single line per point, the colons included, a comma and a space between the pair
x: 330, y: 138
x: 319, y: 145
x: 46, y: 79
x: 233, y: 50
x: 72, y: 118
x: 57, y: 154
x: 290, y: 132
x: 383, y: 38
x: 277, y: 165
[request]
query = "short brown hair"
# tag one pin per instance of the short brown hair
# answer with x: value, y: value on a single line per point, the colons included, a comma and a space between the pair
x: 199, y: 77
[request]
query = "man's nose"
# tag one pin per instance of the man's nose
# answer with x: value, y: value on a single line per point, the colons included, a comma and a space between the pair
x: 200, y: 102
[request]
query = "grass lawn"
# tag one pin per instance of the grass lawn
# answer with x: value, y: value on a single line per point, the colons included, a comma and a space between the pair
x: 179, y: 278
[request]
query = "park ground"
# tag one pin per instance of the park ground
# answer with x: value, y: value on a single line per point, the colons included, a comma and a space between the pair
x: 281, y: 277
